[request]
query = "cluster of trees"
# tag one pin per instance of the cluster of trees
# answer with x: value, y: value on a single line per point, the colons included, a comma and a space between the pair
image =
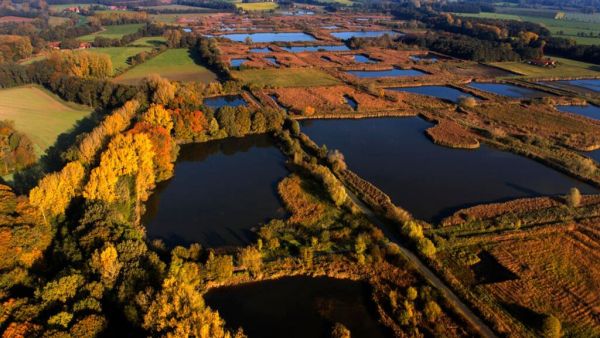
x: 16, y: 149
x: 14, y: 48
x: 466, y: 7
x: 214, y: 4
x: 569, y: 48
x: 80, y: 64
x: 119, y: 18
x: 240, y: 121
x: 475, y: 38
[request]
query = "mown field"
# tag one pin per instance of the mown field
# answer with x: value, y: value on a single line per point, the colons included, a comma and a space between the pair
x: 57, y: 20
x: 39, y: 114
x: 60, y: 7
x: 565, y: 68
x: 174, y: 18
x: 566, y: 28
x: 285, y: 77
x: 173, y: 64
x: 257, y: 6
x: 151, y: 41
x: 119, y: 55
x: 113, y: 32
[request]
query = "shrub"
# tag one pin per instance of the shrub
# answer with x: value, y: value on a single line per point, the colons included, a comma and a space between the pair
x: 574, y: 198
x: 467, y: 102
x: 551, y: 327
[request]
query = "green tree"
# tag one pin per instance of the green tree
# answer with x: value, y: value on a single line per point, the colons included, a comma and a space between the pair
x: 551, y: 327
x: 432, y: 311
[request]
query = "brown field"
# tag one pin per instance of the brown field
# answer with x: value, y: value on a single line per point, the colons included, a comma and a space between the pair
x: 451, y: 134
x: 330, y: 101
x: 537, y: 257
x: 7, y: 19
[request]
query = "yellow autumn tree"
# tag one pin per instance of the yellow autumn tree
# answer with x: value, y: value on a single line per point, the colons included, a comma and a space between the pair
x: 55, y: 191
x: 157, y: 115
x: 106, y: 263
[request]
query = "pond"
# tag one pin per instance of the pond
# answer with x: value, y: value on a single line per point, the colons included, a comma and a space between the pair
x: 270, y: 37
x: 217, y: 102
x: 260, y: 50
x: 221, y: 189
x: 361, y: 58
x: 362, y: 34
x: 237, y: 62
x: 432, y: 181
x: 592, y: 84
x: 508, y: 90
x: 427, y: 58
x: 385, y: 73
x: 297, y: 307
x: 272, y: 61
x: 590, y: 111
x: 329, y: 48
x: 351, y: 102
x: 330, y: 27
x: 442, y: 92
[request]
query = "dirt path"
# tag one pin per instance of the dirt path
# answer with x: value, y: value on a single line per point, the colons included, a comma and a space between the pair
x: 459, y: 306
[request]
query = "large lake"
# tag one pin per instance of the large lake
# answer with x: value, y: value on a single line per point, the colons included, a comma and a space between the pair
x: 431, y: 181
x: 297, y: 307
x: 220, y: 190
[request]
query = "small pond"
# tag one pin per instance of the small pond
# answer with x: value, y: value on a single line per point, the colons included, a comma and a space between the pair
x: 442, y: 92
x: 270, y: 37
x: 590, y: 111
x: 330, y: 27
x: 385, y: 73
x: 362, y: 34
x: 237, y: 62
x: 427, y: 58
x: 432, y: 181
x: 221, y: 189
x: 329, y: 48
x: 361, y: 58
x: 351, y: 102
x: 217, y: 102
x: 592, y: 84
x: 272, y: 60
x: 260, y: 50
x: 297, y: 307
x: 508, y: 90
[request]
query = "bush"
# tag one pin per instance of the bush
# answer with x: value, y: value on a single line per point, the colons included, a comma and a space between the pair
x: 426, y: 247
x: 551, y: 327
x: 467, y: 102
x: 574, y: 198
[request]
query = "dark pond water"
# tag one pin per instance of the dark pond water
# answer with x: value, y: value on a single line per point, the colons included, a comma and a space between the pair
x: 330, y: 27
x: 590, y: 111
x: 432, y: 181
x: 270, y: 37
x: 595, y: 155
x: 427, y: 58
x: 220, y: 190
x: 442, y: 92
x: 589, y: 84
x: 297, y: 307
x: 260, y: 50
x: 385, y: 73
x: 362, y: 34
x: 225, y: 100
x: 361, y: 58
x: 272, y: 60
x: 351, y: 102
x: 329, y: 48
x: 237, y: 62
x: 508, y: 90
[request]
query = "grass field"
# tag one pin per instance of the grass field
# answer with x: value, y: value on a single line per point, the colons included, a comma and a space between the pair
x: 565, y: 68
x: 63, y: 6
x: 564, y: 28
x: 119, y: 55
x: 285, y: 77
x: 172, y: 18
x: 151, y: 41
x: 41, y: 115
x: 173, y: 64
x: 257, y: 6
x: 57, y: 20
x: 113, y: 32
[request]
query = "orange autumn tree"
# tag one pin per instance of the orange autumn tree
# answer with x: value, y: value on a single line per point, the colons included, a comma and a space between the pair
x: 189, y: 125
x: 165, y: 148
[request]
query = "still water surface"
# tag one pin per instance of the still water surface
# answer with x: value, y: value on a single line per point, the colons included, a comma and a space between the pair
x: 297, y: 307
x: 221, y: 189
x: 431, y: 181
